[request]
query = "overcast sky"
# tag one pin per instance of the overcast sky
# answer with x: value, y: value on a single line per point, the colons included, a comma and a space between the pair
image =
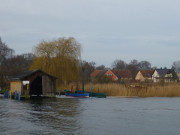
x: 107, y: 29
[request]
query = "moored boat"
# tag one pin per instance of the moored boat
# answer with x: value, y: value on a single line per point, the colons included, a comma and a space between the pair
x: 80, y: 95
x: 98, y: 95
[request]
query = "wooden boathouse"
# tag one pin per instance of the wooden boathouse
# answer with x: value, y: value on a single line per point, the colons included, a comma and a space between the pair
x: 34, y: 83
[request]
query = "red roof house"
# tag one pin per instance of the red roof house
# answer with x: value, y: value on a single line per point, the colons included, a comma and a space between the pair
x: 119, y: 74
x: 95, y: 73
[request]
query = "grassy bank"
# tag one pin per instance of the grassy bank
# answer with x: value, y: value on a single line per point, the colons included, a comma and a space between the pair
x: 140, y: 90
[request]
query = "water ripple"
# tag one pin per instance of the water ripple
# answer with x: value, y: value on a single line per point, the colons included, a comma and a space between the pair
x: 127, y: 116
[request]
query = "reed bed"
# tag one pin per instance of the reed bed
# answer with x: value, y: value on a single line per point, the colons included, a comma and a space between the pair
x: 130, y: 90
x: 140, y: 90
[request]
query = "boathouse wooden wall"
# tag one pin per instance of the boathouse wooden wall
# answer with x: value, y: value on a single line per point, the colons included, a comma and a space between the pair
x: 16, y: 85
x: 48, y: 86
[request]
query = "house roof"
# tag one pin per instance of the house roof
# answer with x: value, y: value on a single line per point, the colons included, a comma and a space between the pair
x: 122, y: 73
x: 163, y: 72
x: 29, y: 73
x: 147, y: 73
x: 95, y: 73
x: 101, y: 73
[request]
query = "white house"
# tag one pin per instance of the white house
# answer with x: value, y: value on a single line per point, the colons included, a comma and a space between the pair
x: 165, y: 75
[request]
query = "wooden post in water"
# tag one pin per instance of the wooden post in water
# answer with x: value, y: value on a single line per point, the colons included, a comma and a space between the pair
x: 6, y: 94
x: 19, y: 96
x: 16, y: 95
x: 91, y: 90
x: 9, y: 94
x: 71, y: 88
x: 27, y: 91
x: 83, y: 86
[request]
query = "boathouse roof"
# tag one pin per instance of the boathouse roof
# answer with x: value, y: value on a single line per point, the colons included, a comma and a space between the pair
x: 26, y: 74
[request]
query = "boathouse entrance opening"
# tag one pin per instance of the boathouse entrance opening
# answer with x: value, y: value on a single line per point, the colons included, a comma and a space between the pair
x: 36, y: 86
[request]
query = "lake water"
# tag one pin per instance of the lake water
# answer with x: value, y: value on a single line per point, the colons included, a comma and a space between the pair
x: 92, y: 116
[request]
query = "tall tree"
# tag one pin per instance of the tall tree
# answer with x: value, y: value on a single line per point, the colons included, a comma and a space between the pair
x: 20, y: 63
x: 5, y: 53
x: 59, y: 58
x: 133, y: 67
x: 144, y: 65
x: 87, y: 69
x: 101, y: 67
x: 176, y: 66
x: 134, y: 62
x: 119, y: 64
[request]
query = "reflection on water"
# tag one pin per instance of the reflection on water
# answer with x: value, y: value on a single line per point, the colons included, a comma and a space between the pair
x: 126, y: 116
x: 42, y: 116
x: 59, y: 116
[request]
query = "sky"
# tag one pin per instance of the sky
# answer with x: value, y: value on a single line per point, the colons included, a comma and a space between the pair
x: 107, y: 29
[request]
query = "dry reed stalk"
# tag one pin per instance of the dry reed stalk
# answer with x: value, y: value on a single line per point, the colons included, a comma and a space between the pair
x: 140, y: 90
x: 155, y: 90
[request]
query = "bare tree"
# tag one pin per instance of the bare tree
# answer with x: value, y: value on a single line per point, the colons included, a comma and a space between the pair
x: 101, y: 67
x: 119, y: 64
x: 176, y: 66
x: 144, y: 65
x: 20, y: 63
x: 87, y: 69
x: 5, y: 53
x: 133, y: 66
x: 134, y: 62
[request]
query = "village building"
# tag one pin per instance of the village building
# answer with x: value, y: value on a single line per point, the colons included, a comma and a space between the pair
x: 144, y: 75
x: 113, y: 75
x: 178, y: 76
x: 95, y: 73
x: 36, y: 82
x: 165, y: 75
x: 122, y: 75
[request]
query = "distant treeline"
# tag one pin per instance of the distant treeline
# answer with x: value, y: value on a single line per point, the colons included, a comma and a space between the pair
x: 134, y: 66
x: 11, y: 64
x: 61, y: 58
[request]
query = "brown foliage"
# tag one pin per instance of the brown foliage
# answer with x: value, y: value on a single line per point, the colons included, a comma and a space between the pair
x: 58, y: 58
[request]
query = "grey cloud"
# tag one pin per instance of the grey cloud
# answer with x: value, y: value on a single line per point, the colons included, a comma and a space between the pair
x: 106, y: 29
